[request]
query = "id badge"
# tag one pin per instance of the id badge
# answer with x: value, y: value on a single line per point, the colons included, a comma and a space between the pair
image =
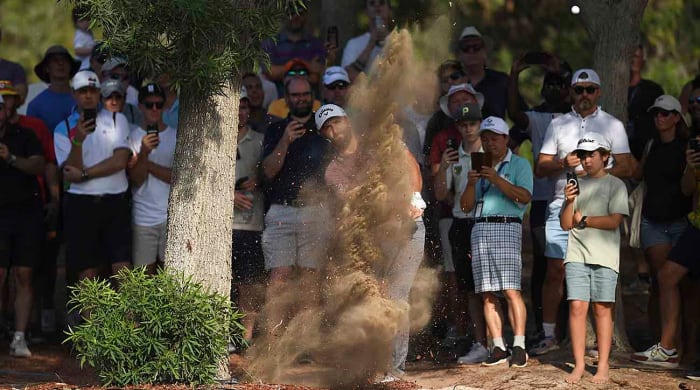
x: 478, y: 208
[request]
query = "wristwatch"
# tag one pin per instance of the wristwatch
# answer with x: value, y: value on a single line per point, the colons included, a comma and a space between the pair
x: 582, y: 223
x: 12, y: 160
x: 84, y: 176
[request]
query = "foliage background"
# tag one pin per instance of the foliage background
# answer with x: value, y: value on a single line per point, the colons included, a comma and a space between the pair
x: 670, y: 35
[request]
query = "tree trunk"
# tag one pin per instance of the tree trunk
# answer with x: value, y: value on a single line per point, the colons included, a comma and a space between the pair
x: 200, y: 211
x: 614, y: 28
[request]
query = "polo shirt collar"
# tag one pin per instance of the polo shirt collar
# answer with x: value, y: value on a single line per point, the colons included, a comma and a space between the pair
x: 247, y: 137
x: 593, y: 115
x: 462, y: 153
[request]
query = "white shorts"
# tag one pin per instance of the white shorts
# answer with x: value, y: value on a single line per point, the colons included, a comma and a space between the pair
x: 149, y: 244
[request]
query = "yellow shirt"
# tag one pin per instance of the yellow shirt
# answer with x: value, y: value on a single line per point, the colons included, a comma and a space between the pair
x: 280, y: 109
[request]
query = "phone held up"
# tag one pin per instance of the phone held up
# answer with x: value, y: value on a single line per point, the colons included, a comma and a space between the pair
x: 452, y: 143
x: 152, y: 128
x: 90, y: 114
x: 571, y: 178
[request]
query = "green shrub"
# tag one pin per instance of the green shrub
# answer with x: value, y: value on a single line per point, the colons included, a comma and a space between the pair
x: 152, y: 329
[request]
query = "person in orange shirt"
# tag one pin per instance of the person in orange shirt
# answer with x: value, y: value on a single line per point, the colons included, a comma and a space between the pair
x: 295, y: 68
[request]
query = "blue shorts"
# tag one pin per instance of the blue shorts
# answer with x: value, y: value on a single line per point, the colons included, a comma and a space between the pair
x: 557, y: 238
x: 590, y: 282
x: 660, y: 233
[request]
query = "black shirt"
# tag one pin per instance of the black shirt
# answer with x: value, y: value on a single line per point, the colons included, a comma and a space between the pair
x: 18, y: 189
x: 494, y: 86
x: 305, y: 161
x: 640, y: 123
x: 663, y: 171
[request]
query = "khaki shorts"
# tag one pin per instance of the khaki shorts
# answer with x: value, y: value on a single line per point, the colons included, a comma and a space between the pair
x: 296, y: 236
x: 149, y: 244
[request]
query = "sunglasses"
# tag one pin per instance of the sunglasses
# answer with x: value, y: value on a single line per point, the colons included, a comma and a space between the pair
x: 154, y: 105
x: 662, y: 112
x: 457, y: 75
x: 694, y: 100
x: 335, y: 86
x: 471, y: 48
x: 117, y: 76
x: 589, y: 90
x: 298, y: 72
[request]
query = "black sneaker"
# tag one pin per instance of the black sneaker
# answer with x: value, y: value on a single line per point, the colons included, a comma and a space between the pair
x: 519, y: 357
x: 497, y: 356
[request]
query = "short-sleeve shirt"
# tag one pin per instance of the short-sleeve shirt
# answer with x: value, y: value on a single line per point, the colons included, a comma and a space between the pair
x: 280, y: 109
x: 305, y: 161
x: 517, y: 171
x: 150, y: 201
x: 19, y: 190
x: 282, y: 49
x: 111, y: 134
x: 247, y: 162
x: 663, y: 172
x: 602, y: 196
x: 51, y: 107
x: 355, y: 46
x: 494, y: 86
x: 440, y: 143
x: 564, y: 132
x: 457, y: 177
x: 13, y: 72
x: 83, y: 40
x: 45, y: 139
x: 543, y: 187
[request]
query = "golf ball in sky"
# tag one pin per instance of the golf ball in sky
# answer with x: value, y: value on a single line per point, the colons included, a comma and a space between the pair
x: 575, y: 9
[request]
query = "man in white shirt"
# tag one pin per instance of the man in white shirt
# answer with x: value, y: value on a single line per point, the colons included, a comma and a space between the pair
x: 360, y: 52
x: 117, y: 68
x: 154, y: 144
x: 556, y: 159
x: 92, y: 149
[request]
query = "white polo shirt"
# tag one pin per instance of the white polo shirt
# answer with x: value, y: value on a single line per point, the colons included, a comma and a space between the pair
x: 111, y: 133
x: 565, y: 131
x: 150, y: 206
x: 249, y: 153
x: 457, y: 177
x: 355, y: 46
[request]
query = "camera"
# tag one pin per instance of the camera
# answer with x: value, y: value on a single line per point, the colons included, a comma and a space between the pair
x: 571, y: 178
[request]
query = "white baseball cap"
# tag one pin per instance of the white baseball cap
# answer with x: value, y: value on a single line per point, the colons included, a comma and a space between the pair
x: 111, y: 86
x: 85, y: 78
x: 327, y: 112
x: 244, y: 93
x: 456, y: 88
x: 585, y: 76
x: 669, y: 103
x: 335, y: 73
x: 470, y: 31
x: 495, y: 124
x: 592, y: 141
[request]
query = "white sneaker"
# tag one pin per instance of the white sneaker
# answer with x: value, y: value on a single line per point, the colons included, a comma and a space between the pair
x: 388, y: 378
x: 655, y: 356
x: 477, y: 354
x: 18, y: 347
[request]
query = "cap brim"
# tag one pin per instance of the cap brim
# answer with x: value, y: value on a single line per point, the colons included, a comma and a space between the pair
x: 444, y: 107
x: 39, y: 69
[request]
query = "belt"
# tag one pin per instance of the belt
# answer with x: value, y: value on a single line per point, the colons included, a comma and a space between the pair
x: 499, y: 219
x: 99, y: 198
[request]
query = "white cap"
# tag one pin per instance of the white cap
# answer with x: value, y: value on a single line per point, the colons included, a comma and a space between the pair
x: 85, y: 78
x: 669, y: 103
x: 585, y: 76
x: 469, y: 31
x: 335, y: 73
x: 114, y: 62
x: 327, y: 112
x: 244, y: 93
x: 456, y: 88
x: 495, y: 124
x: 592, y: 141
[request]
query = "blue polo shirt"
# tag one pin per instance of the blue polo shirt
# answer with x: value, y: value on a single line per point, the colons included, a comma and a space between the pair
x: 51, y: 107
x: 515, y: 170
x: 305, y: 161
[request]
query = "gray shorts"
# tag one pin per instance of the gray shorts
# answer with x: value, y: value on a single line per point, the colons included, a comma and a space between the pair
x: 590, y: 282
x: 296, y: 236
x: 148, y: 243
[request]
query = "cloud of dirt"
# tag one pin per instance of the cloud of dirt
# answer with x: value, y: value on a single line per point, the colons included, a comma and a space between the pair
x: 347, y: 339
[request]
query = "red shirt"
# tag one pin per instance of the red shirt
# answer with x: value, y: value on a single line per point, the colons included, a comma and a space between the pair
x: 46, y: 140
x: 440, y: 143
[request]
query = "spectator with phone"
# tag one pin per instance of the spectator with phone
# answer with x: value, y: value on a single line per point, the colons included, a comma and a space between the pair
x: 21, y: 219
x: 336, y: 84
x: 555, y: 159
x: 117, y: 68
x: 498, y: 194
x: 361, y: 51
x: 92, y: 149
x: 593, y: 209
x: 259, y: 120
x: 114, y: 100
x: 667, y: 202
x: 534, y: 123
x: 450, y: 182
x: 153, y: 143
x: 296, y: 234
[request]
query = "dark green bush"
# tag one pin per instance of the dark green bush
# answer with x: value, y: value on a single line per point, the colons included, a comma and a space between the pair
x: 152, y: 329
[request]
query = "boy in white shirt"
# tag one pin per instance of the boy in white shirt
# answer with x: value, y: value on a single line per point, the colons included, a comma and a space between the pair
x: 594, y: 207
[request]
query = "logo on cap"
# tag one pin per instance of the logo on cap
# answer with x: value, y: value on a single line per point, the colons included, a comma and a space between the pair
x: 583, y: 76
x: 584, y: 140
x: 465, y: 110
x: 92, y: 81
x: 151, y: 89
x: 325, y: 112
x: 489, y: 121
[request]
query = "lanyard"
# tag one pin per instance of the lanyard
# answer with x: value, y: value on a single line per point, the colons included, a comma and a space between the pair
x: 484, y: 187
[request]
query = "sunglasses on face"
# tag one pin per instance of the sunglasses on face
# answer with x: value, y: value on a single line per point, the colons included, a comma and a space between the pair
x: 118, y: 76
x: 663, y: 113
x: 694, y: 100
x: 473, y: 48
x: 589, y: 90
x: 457, y: 75
x: 154, y: 105
x: 335, y: 86
x: 298, y: 72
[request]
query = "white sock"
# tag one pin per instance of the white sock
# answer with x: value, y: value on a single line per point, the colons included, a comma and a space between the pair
x: 548, y: 329
x: 668, y: 351
x: 519, y: 341
x: 19, y: 335
x: 498, y: 342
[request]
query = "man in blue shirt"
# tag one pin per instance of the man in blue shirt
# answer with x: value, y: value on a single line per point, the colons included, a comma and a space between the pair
x: 498, y: 192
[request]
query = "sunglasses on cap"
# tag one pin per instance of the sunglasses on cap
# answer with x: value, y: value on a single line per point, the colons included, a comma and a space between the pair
x: 694, y: 100
x: 117, y: 76
x: 154, y: 105
x: 337, y: 85
x: 473, y: 48
x: 298, y: 72
x: 662, y: 112
x: 589, y: 89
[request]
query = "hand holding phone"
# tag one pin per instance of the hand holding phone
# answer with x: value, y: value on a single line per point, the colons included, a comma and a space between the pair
x: 572, y: 180
x: 152, y: 129
x: 89, y: 114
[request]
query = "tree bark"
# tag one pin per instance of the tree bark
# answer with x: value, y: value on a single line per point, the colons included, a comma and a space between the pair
x: 614, y: 28
x: 200, y: 210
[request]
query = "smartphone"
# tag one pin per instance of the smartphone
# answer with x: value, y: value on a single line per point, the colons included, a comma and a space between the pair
x: 536, y: 58
x: 571, y: 178
x: 694, y: 144
x: 152, y: 129
x: 452, y: 143
x: 90, y: 113
x: 477, y: 161
x: 332, y: 35
x: 239, y: 182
